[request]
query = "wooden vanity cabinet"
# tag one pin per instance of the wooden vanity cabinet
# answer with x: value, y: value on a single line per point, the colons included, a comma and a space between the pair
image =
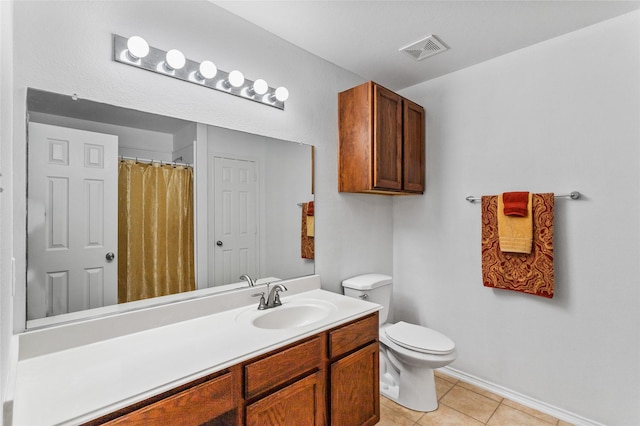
x: 331, y: 378
x: 341, y: 386
x: 381, y: 142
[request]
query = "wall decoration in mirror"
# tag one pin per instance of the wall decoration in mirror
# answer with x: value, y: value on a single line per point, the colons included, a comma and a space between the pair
x: 136, y: 52
x: 128, y: 209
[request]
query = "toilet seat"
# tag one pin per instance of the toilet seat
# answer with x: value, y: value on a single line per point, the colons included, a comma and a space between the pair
x: 419, y: 339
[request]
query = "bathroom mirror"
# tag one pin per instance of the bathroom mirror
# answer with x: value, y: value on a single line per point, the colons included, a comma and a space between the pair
x: 248, y: 209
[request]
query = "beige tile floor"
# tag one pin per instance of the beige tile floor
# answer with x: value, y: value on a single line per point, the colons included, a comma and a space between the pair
x: 463, y: 404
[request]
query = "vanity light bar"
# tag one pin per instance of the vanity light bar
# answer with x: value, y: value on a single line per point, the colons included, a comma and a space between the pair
x: 135, y: 51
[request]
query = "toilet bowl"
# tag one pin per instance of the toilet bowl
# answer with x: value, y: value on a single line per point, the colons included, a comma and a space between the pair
x: 408, y: 352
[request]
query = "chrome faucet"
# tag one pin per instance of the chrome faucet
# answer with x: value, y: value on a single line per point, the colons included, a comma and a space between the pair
x: 273, y: 297
x: 248, y: 279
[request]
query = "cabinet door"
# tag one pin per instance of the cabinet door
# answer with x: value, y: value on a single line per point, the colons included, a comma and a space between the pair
x: 355, y: 388
x: 414, y: 161
x: 387, y: 139
x: 301, y: 403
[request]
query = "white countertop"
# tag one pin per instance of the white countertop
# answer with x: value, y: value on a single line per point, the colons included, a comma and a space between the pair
x: 85, y: 382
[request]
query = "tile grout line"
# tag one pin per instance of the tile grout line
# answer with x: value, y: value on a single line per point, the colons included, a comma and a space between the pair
x: 494, y: 411
x: 467, y: 414
x: 484, y: 396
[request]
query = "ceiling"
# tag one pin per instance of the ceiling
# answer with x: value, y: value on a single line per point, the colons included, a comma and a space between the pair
x: 365, y: 36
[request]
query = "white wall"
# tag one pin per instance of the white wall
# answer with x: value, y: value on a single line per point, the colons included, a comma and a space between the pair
x: 559, y: 116
x: 6, y: 202
x: 288, y: 183
x: 183, y: 142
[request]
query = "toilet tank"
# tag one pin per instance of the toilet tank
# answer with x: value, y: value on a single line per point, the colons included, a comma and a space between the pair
x: 374, y: 288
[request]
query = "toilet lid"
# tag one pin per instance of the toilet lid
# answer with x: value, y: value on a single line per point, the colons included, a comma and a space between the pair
x: 418, y: 338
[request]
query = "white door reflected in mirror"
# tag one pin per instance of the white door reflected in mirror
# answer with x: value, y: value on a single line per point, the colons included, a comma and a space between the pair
x: 73, y: 212
x: 235, y: 219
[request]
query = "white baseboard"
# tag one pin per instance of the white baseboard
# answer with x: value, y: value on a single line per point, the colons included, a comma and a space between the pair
x: 525, y: 400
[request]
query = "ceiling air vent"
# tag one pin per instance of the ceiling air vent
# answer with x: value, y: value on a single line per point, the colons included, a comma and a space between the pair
x: 428, y: 46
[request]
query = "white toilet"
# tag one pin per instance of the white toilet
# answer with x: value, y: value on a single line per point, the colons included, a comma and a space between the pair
x: 408, y: 352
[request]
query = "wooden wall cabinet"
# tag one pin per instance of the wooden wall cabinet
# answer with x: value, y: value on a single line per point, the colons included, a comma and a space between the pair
x: 331, y: 378
x: 381, y: 142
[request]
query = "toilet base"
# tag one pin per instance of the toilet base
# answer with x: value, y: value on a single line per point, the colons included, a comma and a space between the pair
x: 416, y: 391
x: 411, y: 386
x: 390, y: 391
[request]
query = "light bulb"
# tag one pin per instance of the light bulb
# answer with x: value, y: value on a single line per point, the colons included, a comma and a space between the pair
x: 236, y: 79
x: 207, y: 70
x: 175, y: 59
x: 260, y: 86
x: 282, y: 94
x: 137, y: 47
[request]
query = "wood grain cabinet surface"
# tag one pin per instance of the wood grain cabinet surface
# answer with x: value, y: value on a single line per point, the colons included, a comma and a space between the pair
x: 381, y: 142
x: 200, y: 402
x: 269, y: 372
x: 355, y: 385
x: 330, y: 378
x: 301, y: 403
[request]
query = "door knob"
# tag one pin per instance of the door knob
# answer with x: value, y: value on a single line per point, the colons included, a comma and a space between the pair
x: 110, y: 256
x: 219, y: 243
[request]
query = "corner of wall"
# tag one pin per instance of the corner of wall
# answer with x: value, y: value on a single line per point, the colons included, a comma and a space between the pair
x: 6, y: 204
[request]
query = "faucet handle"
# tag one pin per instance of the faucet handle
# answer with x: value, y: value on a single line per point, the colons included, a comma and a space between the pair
x: 263, y: 303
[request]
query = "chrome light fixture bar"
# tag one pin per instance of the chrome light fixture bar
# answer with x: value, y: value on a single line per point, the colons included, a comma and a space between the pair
x: 136, y: 52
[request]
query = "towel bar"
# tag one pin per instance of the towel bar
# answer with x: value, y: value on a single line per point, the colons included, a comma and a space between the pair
x: 573, y: 196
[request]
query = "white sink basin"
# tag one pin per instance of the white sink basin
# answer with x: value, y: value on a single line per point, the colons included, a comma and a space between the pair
x: 291, y: 314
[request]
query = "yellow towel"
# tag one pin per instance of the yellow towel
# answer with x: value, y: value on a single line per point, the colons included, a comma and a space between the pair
x: 515, y: 233
x: 311, y: 226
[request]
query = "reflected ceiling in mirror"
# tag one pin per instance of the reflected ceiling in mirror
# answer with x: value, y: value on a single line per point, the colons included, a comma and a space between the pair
x: 247, y: 207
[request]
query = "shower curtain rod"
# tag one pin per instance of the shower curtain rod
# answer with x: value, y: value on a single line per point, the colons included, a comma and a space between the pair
x: 574, y: 195
x: 150, y: 160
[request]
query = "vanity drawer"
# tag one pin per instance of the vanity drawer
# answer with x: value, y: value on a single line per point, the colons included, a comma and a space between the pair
x: 353, y: 335
x: 196, y: 405
x: 283, y: 366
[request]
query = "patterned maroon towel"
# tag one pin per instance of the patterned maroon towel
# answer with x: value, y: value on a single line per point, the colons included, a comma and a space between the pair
x: 528, y: 273
x: 307, y: 246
